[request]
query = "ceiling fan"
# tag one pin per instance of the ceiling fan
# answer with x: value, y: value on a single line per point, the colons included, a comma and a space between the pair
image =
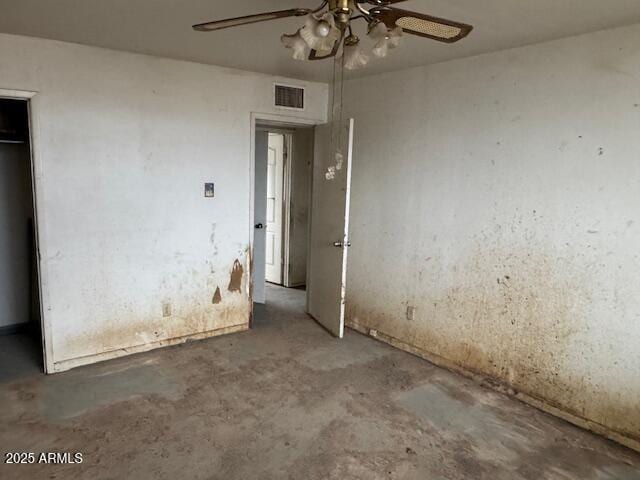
x: 328, y: 27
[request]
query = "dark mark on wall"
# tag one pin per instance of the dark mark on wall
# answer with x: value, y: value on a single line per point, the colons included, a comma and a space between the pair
x: 235, y: 281
x: 217, y: 297
x: 212, y: 239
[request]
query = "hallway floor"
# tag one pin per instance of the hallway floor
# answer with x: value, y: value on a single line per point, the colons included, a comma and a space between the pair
x: 287, y: 401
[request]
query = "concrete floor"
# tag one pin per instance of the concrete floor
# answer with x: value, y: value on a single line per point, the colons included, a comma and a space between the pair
x: 287, y: 401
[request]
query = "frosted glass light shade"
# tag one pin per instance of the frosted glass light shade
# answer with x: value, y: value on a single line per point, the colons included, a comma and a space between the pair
x: 299, y: 48
x: 315, y: 28
x: 354, y: 57
x: 385, y: 39
x: 323, y: 29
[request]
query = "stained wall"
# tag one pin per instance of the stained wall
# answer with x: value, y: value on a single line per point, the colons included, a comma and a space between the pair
x: 499, y: 196
x: 132, y: 251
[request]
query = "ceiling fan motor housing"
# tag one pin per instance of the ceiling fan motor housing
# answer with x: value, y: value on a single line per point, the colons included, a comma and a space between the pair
x: 342, y: 10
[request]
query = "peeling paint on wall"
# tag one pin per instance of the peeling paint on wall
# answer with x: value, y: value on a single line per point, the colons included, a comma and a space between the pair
x: 235, y: 278
x: 217, y: 297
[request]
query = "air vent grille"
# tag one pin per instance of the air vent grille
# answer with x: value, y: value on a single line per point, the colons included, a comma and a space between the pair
x: 289, y: 97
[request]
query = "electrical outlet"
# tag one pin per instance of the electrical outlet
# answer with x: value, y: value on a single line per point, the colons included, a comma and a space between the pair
x: 411, y: 313
x: 166, y: 309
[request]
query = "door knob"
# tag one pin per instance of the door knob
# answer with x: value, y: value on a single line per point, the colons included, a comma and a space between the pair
x: 341, y: 244
x: 259, y: 226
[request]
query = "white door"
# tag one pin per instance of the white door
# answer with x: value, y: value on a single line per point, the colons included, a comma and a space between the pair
x: 275, y: 179
x: 329, y: 233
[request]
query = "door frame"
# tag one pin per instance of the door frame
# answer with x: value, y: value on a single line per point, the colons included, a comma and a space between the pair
x: 286, y: 204
x: 32, y: 99
x: 258, y: 121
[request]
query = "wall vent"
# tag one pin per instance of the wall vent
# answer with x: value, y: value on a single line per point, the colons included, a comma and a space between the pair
x: 289, y: 97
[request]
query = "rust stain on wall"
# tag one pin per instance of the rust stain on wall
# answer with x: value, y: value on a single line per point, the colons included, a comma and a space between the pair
x: 217, y: 297
x: 235, y: 280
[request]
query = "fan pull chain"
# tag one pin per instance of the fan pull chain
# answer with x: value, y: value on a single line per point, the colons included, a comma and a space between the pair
x: 337, y: 95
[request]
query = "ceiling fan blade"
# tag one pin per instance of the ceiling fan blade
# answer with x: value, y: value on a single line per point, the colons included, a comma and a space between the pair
x: 261, y: 17
x: 422, y: 25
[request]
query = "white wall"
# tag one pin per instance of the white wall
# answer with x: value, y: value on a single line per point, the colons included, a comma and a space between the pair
x: 500, y: 196
x: 15, y: 254
x: 124, y: 145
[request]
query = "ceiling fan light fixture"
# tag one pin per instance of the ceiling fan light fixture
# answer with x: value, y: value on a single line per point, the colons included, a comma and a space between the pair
x: 385, y: 38
x: 321, y: 32
x: 323, y: 29
x: 395, y: 37
x: 354, y: 56
x: 297, y: 45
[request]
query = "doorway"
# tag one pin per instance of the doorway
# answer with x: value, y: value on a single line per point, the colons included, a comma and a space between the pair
x: 20, y: 322
x: 320, y: 215
x: 282, y: 202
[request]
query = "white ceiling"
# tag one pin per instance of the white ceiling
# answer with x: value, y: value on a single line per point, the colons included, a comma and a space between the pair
x: 163, y: 28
